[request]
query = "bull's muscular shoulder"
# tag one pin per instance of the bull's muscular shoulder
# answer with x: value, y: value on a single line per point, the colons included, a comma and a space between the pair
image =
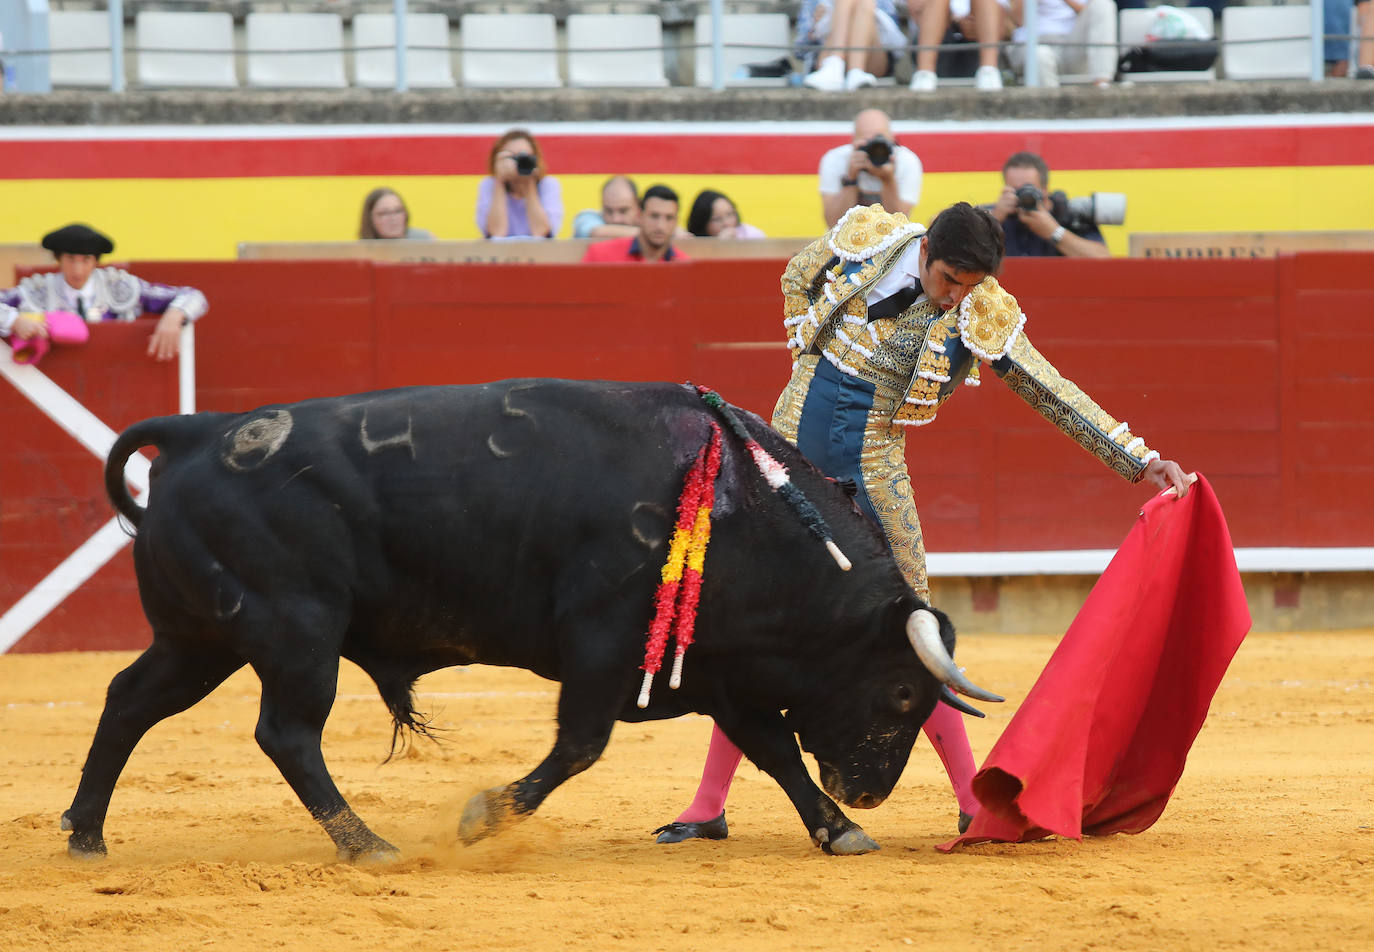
x: 864, y: 233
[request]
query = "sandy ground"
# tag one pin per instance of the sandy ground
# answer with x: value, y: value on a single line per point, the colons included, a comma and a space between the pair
x: 1267, y: 844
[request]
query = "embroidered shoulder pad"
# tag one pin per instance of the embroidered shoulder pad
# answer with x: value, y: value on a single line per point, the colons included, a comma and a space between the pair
x: 989, y: 320
x: 862, y: 233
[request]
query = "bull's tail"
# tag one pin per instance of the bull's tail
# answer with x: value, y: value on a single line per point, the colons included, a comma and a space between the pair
x: 170, y: 434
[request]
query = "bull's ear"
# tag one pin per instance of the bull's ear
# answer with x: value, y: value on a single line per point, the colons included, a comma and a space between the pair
x: 901, y: 698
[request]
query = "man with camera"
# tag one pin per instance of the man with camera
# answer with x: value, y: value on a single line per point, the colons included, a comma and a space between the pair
x: 1040, y: 225
x: 871, y: 170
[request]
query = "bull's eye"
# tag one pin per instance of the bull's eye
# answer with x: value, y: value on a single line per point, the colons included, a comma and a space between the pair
x: 903, y: 698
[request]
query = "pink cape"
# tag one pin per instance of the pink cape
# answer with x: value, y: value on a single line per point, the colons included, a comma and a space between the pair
x: 1102, y: 738
x: 64, y: 327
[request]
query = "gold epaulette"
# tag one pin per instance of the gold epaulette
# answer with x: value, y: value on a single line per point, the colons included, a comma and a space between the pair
x: 989, y: 320
x: 863, y: 233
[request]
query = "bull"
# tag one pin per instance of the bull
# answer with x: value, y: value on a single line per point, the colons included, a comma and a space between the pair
x: 520, y: 523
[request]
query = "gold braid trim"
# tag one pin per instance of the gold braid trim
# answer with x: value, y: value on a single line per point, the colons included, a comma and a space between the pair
x: 989, y: 319
x: 1059, y: 400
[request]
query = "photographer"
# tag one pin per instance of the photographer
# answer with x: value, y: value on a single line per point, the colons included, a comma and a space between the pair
x: 1029, y: 224
x: 873, y: 169
x: 518, y: 200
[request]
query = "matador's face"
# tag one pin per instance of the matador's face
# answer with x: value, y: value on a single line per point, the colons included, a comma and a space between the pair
x: 943, y: 283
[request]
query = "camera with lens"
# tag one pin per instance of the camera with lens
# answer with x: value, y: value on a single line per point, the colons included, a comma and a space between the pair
x: 878, y: 149
x: 1028, y: 197
x: 525, y: 164
x: 1087, y: 211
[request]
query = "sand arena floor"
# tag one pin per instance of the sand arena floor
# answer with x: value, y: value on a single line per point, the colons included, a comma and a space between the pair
x: 1267, y: 844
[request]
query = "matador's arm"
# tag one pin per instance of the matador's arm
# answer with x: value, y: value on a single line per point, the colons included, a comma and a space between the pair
x: 1059, y: 400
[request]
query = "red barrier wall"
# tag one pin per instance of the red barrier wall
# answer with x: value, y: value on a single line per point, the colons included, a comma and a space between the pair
x: 1256, y: 372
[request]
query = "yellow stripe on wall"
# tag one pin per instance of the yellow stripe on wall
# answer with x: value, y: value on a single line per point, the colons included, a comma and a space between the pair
x: 204, y: 219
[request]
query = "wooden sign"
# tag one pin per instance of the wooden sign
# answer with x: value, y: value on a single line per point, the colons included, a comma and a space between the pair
x: 1244, y: 244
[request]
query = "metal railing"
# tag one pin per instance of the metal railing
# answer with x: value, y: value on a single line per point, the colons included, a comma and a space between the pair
x: 118, y: 13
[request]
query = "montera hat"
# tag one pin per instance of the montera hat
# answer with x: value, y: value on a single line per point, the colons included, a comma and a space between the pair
x: 77, y: 240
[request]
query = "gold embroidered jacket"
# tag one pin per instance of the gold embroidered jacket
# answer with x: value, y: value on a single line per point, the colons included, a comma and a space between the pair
x: 923, y: 354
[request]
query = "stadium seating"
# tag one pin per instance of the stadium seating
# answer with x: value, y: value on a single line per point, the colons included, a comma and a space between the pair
x: 428, y: 64
x: 771, y: 32
x: 185, y: 49
x: 1289, y: 56
x: 509, y: 50
x: 615, y: 49
x: 1134, y: 23
x: 295, y: 50
x: 88, y: 31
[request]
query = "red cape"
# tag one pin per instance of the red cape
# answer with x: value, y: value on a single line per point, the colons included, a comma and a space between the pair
x: 1102, y: 738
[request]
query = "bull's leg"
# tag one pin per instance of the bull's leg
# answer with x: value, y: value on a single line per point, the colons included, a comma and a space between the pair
x: 767, y: 742
x: 296, y: 700
x: 587, y: 709
x: 166, y: 679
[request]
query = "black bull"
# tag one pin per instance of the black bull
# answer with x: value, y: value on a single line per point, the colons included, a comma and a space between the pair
x: 521, y: 523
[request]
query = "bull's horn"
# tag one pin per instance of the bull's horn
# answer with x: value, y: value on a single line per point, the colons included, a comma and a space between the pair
x: 923, y: 631
x: 959, y: 704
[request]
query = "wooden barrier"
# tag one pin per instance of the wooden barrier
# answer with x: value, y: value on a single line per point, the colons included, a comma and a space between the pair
x: 1256, y: 372
x: 512, y: 251
x: 20, y: 256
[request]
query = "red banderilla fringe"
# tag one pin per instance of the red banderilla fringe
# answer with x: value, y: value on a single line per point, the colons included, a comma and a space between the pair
x: 679, y: 590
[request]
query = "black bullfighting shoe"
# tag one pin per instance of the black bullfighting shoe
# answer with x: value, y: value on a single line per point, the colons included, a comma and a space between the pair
x: 677, y: 832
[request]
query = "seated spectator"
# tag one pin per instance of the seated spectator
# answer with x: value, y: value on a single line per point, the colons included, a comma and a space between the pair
x: 385, y: 216
x: 841, y: 40
x: 658, y: 211
x: 97, y: 294
x: 619, y: 215
x: 1075, y: 36
x: 983, y: 21
x: 1034, y: 232
x: 518, y: 200
x: 715, y: 216
x: 871, y: 170
x: 1365, y: 56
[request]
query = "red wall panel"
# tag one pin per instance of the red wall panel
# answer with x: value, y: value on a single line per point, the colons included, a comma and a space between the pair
x: 1256, y: 372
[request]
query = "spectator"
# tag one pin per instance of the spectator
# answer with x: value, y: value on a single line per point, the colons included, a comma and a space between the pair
x: 518, y: 200
x: 1034, y: 233
x: 97, y: 294
x: 1365, y: 55
x: 983, y: 21
x: 619, y: 215
x: 1336, y: 25
x: 715, y: 216
x: 657, y: 224
x: 873, y: 169
x: 1076, y: 36
x: 850, y: 43
x: 385, y: 216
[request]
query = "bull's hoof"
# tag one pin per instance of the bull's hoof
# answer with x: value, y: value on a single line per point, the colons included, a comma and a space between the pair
x: 84, y: 847
x: 677, y: 832
x: 851, y: 842
x: 67, y: 821
x: 380, y: 853
x: 486, y: 813
x: 964, y: 820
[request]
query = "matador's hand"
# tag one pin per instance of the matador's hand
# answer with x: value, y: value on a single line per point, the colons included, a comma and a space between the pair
x: 1166, y: 474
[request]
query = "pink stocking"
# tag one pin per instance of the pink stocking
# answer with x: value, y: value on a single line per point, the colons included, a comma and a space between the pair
x: 721, y: 760
x: 945, y: 730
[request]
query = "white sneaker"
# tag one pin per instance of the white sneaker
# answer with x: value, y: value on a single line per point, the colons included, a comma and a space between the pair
x: 858, y: 79
x: 924, y: 81
x: 987, y: 78
x: 829, y: 78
